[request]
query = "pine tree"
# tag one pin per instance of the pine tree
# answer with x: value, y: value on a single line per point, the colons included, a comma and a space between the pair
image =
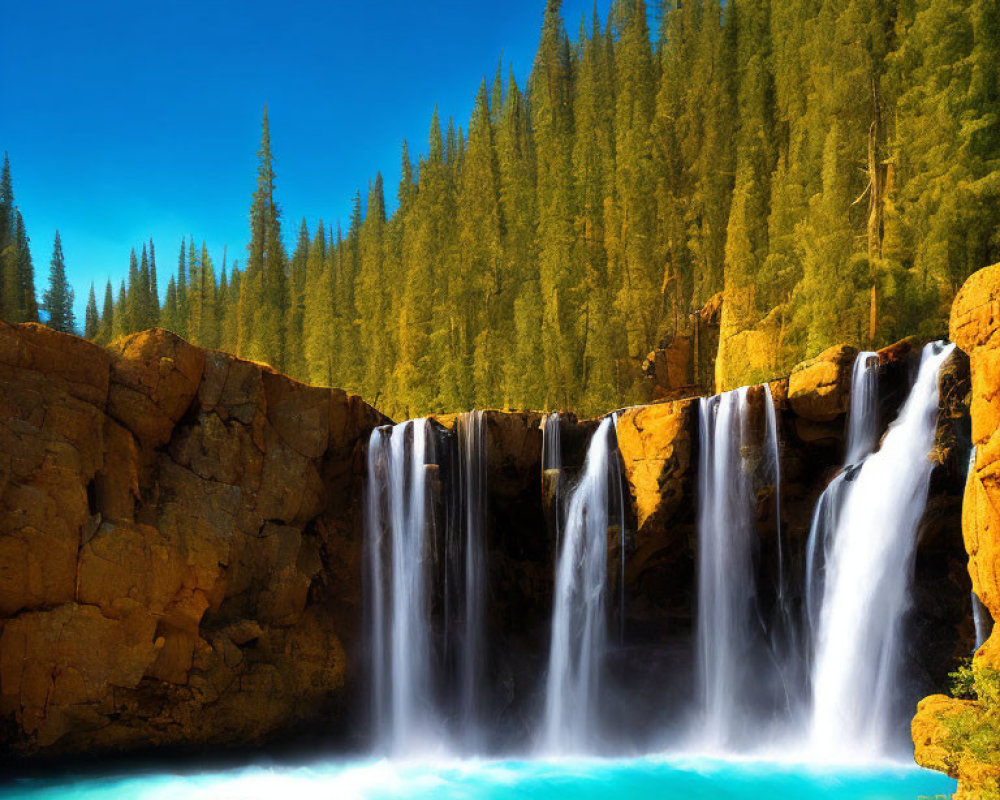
x: 523, y: 364
x: 263, y: 287
x: 145, y: 299
x: 371, y: 292
x: 593, y: 177
x: 180, y: 321
x: 27, y: 303
x: 133, y: 299
x: 552, y: 123
x: 195, y: 297
x: 58, y: 301
x: 230, y: 314
x: 295, y: 317
x: 106, y: 329
x: 118, y: 318
x: 209, y: 322
x: 318, y: 320
x: 169, y: 313
x: 154, y: 288
x: 479, y: 324
x: 8, y: 270
x: 92, y: 321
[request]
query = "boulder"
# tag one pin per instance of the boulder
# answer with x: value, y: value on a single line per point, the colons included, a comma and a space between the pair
x: 154, y: 377
x: 819, y: 389
x: 656, y: 450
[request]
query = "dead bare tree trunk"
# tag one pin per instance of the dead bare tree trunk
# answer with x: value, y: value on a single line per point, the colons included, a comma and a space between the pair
x: 877, y: 173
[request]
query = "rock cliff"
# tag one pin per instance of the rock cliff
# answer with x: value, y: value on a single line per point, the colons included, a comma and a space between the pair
x: 943, y: 727
x: 178, y: 544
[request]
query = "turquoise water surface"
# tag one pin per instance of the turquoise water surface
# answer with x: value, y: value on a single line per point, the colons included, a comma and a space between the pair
x: 660, y: 778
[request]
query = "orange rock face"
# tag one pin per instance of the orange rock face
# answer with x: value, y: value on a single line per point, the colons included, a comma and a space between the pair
x: 819, y: 389
x: 975, y: 328
x: 164, y: 511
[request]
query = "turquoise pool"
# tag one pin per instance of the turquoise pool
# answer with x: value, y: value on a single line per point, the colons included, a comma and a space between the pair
x: 660, y: 778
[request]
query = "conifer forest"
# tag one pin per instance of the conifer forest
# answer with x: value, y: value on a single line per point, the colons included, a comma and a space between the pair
x: 831, y: 166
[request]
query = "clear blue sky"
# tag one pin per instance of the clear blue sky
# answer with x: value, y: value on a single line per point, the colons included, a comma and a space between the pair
x: 125, y: 120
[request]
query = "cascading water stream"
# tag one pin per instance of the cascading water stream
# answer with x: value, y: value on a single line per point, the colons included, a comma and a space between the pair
x: 862, y: 437
x: 867, y: 581
x: 396, y: 570
x: 579, y: 619
x: 982, y: 621
x: 472, y: 464
x: 726, y: 580
x: 862, y: 420
x: 552, y: 474
x: 784, y: 630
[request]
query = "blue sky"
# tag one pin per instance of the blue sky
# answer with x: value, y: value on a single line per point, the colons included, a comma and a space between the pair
x: 125, y: 120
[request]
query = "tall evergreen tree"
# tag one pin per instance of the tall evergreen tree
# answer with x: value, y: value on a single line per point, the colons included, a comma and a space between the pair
x: 295, y: 317
x: 154, y: 288
x: 8, y: 269
x: 261, y: 334
x: 91, y: 320
x: 371, y: 292
x: 552, y: 123
x: 58, y: 301
x: 106, y: 329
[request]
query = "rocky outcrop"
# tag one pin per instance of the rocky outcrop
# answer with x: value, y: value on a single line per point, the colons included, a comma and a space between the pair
x: 975, y: 328
x: 819, y: 389
x: 178, y: 545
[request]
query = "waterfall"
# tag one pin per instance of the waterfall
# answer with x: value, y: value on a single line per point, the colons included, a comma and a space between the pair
x: 862, y: 420
x: 982, y: 620
x: 579, y: 619
x: 472, y: 464
x: 868, y: 570
x: 862, y: 436
x: 727, y: 542
x: 395, y: 573
x: 784, y: 629
x: 617, y: 512
x: 552, y: 475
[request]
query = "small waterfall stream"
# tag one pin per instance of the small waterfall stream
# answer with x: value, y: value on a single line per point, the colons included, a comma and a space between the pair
x: 868, y: 571
x: 727, y: 591
x: 472, y: 465
x: 396, y: 570
x: 862, y: 437
x: 579, y: 617
x: 552, y: 475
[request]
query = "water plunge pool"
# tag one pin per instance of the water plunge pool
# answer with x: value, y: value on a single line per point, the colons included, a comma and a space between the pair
x: 663, y: 778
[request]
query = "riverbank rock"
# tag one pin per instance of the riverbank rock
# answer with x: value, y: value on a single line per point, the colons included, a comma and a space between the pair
x: 172, y: 526
x: 975, y: 329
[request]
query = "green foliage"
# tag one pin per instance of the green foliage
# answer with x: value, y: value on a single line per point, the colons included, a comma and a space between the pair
x: 58, y: 300
x: 832, y: 165
x: 17, y: 273
x: 976, y: 729
x: 92, y: 321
